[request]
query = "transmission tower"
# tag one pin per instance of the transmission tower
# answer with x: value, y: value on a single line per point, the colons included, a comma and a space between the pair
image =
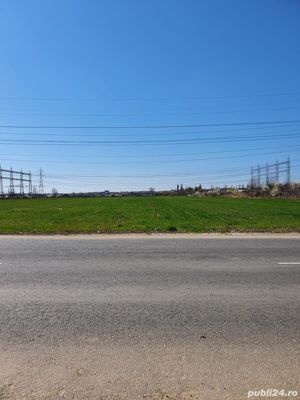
x: 288, y: 171
x: 1, y: 183
x: 30, y: 184
x: 11, y: 182
x: 271, y: 173
x: 276, y: 172
x: 267, y: 174
x: 21, y: 183
x: 258, y: 177
x: 41, y: 184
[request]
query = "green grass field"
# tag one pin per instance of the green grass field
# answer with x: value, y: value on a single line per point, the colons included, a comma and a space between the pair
x: 149, y: 214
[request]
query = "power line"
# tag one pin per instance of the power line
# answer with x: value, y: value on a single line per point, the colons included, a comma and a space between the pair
x: 152, y: 175
x: 254, y: 128
x: 147, y: 113
x: 229, y: 172
x: 219, y: 139
x: 221, y: 178
x: 291, y: 150
x: 154, y: 157
x: 148, y: 126
x: 294, y: 93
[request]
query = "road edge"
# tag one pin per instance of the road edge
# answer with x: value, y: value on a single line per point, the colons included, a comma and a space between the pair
x: 104, y: 236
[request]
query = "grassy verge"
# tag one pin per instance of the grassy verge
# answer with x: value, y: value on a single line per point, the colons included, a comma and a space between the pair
x: 149, y: 214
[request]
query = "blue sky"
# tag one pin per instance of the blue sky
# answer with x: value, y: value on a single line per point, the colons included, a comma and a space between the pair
x: 151, y: 63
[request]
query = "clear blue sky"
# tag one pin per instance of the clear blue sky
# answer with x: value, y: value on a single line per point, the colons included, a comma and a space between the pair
x: 148, y: 63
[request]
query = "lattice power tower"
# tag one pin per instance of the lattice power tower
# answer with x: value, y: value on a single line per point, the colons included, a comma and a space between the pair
x: 18, y: 182
x: 280, y: 172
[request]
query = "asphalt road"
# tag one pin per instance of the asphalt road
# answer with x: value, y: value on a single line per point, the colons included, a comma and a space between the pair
x: 154, y: 318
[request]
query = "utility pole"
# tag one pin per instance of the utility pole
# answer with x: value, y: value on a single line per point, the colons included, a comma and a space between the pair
x: 41, y: 185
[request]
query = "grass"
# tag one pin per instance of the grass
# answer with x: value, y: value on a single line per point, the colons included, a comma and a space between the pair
x: 149, y: 214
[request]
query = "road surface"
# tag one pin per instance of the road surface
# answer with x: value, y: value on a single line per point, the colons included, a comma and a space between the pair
x: 148, y: 318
